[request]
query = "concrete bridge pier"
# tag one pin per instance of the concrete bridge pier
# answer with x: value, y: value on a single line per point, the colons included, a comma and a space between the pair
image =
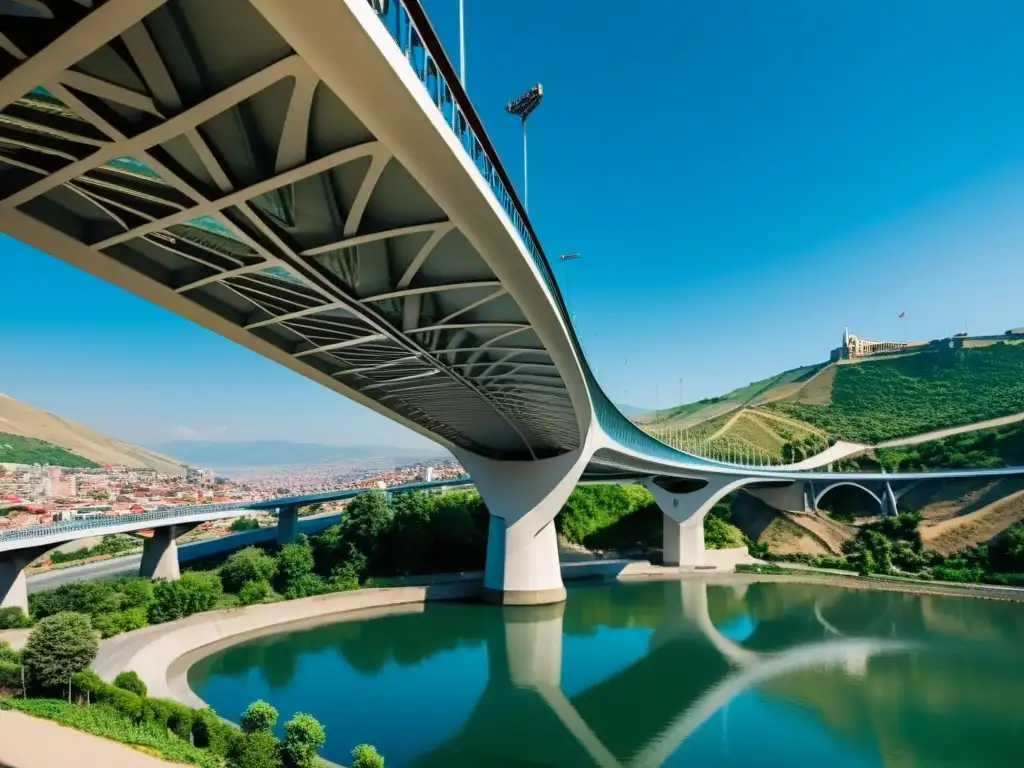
x: 287, y: 524
x: 523, y: 498
x: 13, y: 587
x: 160, y: 553
x: 684, y: 508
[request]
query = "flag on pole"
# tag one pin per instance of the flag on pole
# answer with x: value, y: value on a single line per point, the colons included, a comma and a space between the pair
x: 901, y: 314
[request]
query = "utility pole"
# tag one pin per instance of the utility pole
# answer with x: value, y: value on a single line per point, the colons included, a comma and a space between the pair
x: 522, y: 107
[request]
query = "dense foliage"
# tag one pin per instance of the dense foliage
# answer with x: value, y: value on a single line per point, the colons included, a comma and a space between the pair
x: 58, y: 647
x: 910, y: 394
x: 247, y: 565
x: 303, y: 736
x: 998, y: 447
x: 366, y: 756
x: 15, y: 449
x: 192, y: 593
x: 13, y: 617
x: 244, y: 524
x: 259, y: 716
x: 130, y: 681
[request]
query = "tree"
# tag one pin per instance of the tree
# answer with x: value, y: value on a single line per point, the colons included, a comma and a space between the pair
x: 258, y: 716
x: 58, y: 647
x: 303, y: 736
x: 14, y: 617
x: 366, y: 519
x: 192, y: 593
x: 244, y: 524
x: 245, y: 565
x: 366, y: 756
x: 130, y: 681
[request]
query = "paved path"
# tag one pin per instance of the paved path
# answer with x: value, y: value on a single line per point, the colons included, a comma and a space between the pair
x: 941, y: 433
x: 28, y: 742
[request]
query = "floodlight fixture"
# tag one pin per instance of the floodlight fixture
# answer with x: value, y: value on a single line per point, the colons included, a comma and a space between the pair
x: 522, y: 107
x: 570, y: 256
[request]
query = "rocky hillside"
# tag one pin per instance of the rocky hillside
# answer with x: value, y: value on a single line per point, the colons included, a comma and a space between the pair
x: 17, y: 418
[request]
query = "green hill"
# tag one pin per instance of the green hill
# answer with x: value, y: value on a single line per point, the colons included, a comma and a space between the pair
x: 15, y: 449
x: 936, y: 388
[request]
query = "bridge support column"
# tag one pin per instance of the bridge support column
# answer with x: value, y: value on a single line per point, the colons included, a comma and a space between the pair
x: 13, y: 585
x: 287, y: 524
x: 523, y: 498
x: 785, y: 498
x: 684, y: 512
x: 889, y: 505
x: 160, y: 554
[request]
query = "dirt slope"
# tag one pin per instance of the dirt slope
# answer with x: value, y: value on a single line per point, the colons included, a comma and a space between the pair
x: 21, y: 419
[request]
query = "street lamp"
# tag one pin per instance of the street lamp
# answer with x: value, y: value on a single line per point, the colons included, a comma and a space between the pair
x: 522, y: 107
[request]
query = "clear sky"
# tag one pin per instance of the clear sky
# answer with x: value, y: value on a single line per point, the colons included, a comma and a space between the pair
x: 742, y: 178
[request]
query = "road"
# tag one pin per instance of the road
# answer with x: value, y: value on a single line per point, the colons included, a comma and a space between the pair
x: 941, y: 433
x: 129, y: 565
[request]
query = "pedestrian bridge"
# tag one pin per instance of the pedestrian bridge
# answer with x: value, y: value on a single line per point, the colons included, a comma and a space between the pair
x: 322, y: 192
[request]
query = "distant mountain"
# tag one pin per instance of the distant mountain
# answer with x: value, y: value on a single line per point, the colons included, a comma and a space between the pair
x: 280, y: 453
x: 17, y: 418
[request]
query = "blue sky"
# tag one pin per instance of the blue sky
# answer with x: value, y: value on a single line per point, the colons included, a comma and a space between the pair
x: 743, y: 179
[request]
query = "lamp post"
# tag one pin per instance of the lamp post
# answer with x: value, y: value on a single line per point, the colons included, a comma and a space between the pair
x: 522, y: 107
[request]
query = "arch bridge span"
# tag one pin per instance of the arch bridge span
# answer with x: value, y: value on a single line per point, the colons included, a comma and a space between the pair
x: 322, y: 192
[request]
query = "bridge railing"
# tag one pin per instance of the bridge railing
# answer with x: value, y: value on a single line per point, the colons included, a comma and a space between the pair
x: 411, y: 30
x: 92, y: 523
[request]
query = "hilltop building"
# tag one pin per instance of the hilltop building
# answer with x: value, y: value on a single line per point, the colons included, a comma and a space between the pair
x: 854, y: 346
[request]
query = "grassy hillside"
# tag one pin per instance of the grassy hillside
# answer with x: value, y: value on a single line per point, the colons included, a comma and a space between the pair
x: 18, y: 418
x: 999, y: 447
x: 15, y: 449
x: 877, y: 400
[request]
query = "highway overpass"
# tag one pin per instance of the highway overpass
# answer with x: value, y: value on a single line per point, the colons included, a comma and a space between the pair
x: 322, y: 192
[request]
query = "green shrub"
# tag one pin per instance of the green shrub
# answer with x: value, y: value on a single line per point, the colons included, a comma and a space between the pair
x: 130, y: 681
x: 255, y: 750
x: 245, y: 565
x: 294, y: 562
x: 58, y: 647
x: 212, y: 733
x: 192, y: 593
x: 110, y: 624
x: 366, y: 756
x: 14, y: 618
x: 87, y: 685
x: 9, y: 654
x: 307, y: 586
x: 244, y: 524
x: 258, y: 716
x: 303, y: 736
x: 253, y: 592
x: 104, y: 721
x: 10, y: 676
x: 125, y: 703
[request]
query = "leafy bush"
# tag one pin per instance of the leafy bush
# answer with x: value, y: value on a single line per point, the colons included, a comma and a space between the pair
x: 169, y: 715
x: 125, y: 703
x: 255, y: 750
x: 14, y: 618
x: 211, y: 732
x: 245, y: 565
x: 253, y: 592
x: 294, y: 562
x: 366, y: 756
x: 303, y: 736
x: 92, y: 597
x: 258, y: 716
x: 192, y: 593
x: 307, y: 586
x: 10, y: 676
x: 110, y: 624
x: 130, y: 681
x: 87, y: 685
x: 244, y: 524
x: 8, y: 654
x: 104, y: 721
x: 58, y: 647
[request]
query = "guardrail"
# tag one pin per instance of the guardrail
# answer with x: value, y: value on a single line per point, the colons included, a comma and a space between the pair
x: 409, y: 27
x: 74, y: 526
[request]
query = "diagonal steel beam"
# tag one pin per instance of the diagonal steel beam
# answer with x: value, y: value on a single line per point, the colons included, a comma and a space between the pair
x: 371, y: 237
x: 431, y: 289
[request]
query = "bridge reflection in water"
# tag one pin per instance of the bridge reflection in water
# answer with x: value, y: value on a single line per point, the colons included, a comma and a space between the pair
x: 882, y: 674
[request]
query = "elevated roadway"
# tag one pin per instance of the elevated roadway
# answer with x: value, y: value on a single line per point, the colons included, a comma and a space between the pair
x: 322, y: 192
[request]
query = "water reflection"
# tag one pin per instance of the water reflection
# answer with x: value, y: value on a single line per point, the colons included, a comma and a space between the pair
x: 880, y: 678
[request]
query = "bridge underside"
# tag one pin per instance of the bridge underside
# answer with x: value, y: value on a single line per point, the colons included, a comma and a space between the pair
x: 184, y: 151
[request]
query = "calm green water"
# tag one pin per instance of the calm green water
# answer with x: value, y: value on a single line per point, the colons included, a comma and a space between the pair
x: 656, y: 673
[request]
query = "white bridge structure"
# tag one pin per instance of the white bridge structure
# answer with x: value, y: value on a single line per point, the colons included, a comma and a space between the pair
x: 309, y: 179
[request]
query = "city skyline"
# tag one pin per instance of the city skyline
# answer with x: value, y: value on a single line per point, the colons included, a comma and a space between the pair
x: 758, y: 211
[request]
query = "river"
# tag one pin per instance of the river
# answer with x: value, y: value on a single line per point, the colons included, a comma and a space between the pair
x: 654, y: 673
